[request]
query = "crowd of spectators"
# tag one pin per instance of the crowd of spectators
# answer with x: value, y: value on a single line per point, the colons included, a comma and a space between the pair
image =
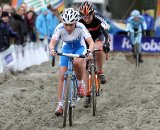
x: 153, y: 25
x: 23, y: 24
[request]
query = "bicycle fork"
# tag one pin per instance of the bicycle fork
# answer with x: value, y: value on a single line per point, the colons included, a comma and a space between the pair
x: 96, y: 80
x: 73, y: 97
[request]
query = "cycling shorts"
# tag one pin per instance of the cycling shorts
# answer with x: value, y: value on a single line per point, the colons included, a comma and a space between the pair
x: 99, y: 38
x: 63, y: 62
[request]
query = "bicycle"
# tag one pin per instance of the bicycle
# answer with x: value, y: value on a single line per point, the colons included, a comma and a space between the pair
x: 70, y: 89
x: 94, y: 82
x: 136, y: 48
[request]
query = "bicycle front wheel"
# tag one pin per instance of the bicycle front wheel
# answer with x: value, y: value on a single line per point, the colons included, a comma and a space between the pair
x: 67, y: 90
x: 137, y: 54
x: 73, y: 99
x: 94, y: 101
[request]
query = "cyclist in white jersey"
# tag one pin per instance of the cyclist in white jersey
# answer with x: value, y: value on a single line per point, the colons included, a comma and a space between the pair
x: 72, y: 34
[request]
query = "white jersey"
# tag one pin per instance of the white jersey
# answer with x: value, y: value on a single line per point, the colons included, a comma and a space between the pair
x: 75, y: 39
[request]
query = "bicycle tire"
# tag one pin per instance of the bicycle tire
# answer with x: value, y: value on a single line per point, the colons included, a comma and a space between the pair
x: 74, y: 97
x: 97, y: 83
x: 93, y: 90
x: 70, y: 116
x: 137, y: 60
x: 67, y: 90
x: 137, y: 54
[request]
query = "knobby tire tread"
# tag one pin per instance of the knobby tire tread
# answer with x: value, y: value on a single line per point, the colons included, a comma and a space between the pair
x: 67, y: 87
x: 93, y: 90
x: 74, y: 94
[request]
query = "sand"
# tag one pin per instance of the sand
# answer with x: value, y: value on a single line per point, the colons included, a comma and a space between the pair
x: 129, y: 101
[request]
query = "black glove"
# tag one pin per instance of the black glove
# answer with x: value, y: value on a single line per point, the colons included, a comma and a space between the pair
x: 53, y: 61
x: 106, y: 47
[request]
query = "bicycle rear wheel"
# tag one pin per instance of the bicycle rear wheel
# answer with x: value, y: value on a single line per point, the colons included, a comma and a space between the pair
x: 94, y: 101
x: 67, y: 90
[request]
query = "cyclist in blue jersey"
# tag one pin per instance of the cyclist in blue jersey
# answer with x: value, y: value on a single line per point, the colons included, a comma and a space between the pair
x: 73, y: 35
x: 136, y: 23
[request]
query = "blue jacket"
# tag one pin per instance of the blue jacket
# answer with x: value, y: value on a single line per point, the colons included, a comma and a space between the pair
x: 41, y: 26
x: 140, y: 24
x: 149, y: 21
x: 5, y: 33
x: 52, y: 22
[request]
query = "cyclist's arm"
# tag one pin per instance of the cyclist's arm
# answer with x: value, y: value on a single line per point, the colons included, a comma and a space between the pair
x: 90, y: 43
x: 52, y: 44
x: 144, y: 25
x: 106, y: 35
x: 87, y: 36
x: 104, y: 24
x: 129, y: 24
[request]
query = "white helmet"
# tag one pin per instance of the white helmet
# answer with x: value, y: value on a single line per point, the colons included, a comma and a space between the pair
x: 135, y: 13
x: 70, y: 16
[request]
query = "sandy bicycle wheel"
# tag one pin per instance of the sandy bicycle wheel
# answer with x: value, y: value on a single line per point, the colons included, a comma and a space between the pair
x: 73, y: 99
x: 93, y: 96
x: 137, y: 54
x: 66, y: 107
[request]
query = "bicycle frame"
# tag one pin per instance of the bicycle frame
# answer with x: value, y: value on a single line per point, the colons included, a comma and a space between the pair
x: 94, y: 83
x: 136, y: 47
x: 96, y: 79
x: 70, y: 88
x: 69, y: 74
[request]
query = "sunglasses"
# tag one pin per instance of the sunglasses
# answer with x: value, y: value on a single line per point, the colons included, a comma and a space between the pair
x: 66, y: 24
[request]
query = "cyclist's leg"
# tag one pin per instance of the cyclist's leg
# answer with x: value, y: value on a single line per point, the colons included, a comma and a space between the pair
x: 132, y: 40
x: 140, y: 46
x: 87, y: 93
x: 79, y: 70
x: 99, y: 61
x: 78, y: 63
x: 63, y: 68
x: 85, y: 78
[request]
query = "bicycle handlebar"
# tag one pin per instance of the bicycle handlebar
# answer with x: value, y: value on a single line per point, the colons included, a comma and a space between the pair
x: 71, y: 55
x: 135, y: 32
x: 98, y: 49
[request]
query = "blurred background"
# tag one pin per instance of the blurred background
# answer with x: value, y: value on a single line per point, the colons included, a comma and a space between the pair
x: 120, y: 8
x: 33, y: 21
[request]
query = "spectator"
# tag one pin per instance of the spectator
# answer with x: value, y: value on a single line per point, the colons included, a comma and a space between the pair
x: 31, y: 8
x: 157, y: 26
x: 149, y: 21
x: 12, y: 22
x: 30, y: 19
x: 52, y: 22
x: 25, y: 6
x: 55, y: 12
x: 23, y: 24
x: 41, y: 24
x: 5, y: 32
x: 53, y: 19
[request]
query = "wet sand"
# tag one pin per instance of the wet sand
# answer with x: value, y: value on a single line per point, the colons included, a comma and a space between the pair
x: 129, y: 101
